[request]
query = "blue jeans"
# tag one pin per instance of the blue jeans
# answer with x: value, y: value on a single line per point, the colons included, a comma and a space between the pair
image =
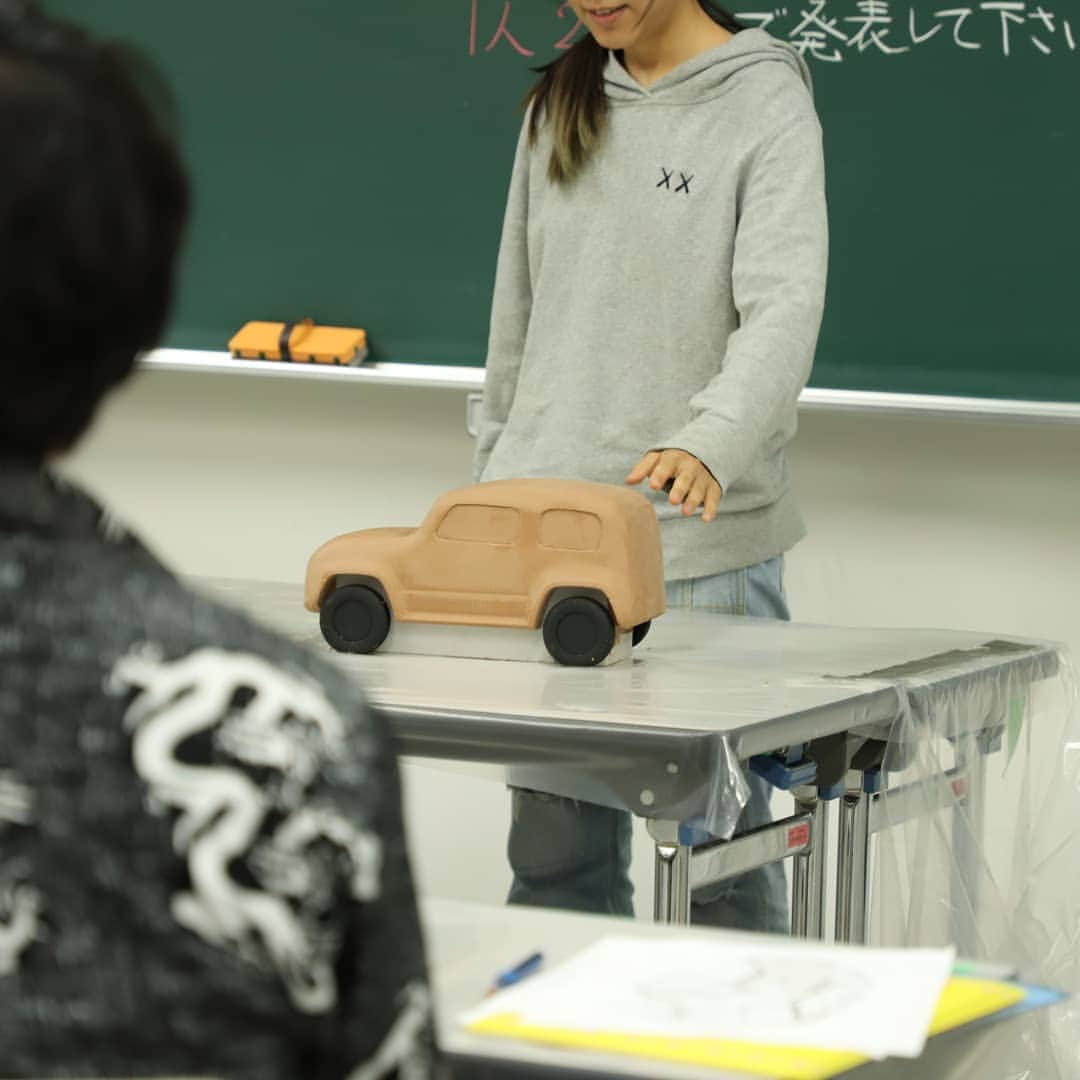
x: 575, y: 855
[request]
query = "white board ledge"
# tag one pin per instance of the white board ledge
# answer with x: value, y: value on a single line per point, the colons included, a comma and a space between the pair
x: 813, y: 398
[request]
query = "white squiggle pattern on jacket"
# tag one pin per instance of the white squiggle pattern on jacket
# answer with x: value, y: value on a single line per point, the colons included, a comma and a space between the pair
x: 404, y: 1049
x: 288, y: 726
x: 20, y: 902
x: 16, y: 800
x: 20, y: 906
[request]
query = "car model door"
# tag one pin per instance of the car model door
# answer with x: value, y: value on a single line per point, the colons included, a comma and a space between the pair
x: 472, y: 567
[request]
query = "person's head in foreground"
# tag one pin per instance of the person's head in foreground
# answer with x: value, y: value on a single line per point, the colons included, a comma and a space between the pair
x: 202, y: 866
x: 93, y: 203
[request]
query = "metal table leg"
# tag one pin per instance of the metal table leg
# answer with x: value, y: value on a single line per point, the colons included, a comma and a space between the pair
x: 688, y: 858
x: 971, y: 753
x: 808, y: 869
x: 671, y: 886
x: 845, y: 862
x: 671, y: 874
x: 800, y: 870
x: 860, y: 886
x: 815, y: 923
x: 853, y: 861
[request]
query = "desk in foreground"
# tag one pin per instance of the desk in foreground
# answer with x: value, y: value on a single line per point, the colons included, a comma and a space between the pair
x: 469, y: 943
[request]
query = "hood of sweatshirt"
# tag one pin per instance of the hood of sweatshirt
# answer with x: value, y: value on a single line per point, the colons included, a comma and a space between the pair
x: 704, y: 76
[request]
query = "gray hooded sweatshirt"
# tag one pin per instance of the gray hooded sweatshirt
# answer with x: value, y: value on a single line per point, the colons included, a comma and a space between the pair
x: 670, y: 296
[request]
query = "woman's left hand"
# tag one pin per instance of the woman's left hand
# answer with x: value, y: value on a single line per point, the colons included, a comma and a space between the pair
x: 692, y: 485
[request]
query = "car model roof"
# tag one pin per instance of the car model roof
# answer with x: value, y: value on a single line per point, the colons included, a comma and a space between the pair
x: 538, y: 495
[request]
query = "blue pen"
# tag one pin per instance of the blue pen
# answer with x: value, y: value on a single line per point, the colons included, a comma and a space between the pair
x: 517, y: 972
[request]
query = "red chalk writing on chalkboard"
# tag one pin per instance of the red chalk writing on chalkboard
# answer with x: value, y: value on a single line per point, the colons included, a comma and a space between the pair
x: 567, y: 40
x: 503, y: 33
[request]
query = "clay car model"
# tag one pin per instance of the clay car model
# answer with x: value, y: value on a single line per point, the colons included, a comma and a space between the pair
x: 580, y: 560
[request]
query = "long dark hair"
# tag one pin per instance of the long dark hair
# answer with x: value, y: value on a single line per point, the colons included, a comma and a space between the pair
x: 570, y: 95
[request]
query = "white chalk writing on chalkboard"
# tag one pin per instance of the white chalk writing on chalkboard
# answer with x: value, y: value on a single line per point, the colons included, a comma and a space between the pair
x: 829, y: 30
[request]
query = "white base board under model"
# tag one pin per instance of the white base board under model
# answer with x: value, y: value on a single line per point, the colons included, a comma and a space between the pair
x: 482, y: 643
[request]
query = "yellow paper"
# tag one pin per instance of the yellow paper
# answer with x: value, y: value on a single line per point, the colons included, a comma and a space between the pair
x: 967, y: 999
x: 962, y: 1001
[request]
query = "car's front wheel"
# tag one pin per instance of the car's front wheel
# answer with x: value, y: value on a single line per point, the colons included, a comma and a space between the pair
x: 578, y: 631
x: 355, y: 619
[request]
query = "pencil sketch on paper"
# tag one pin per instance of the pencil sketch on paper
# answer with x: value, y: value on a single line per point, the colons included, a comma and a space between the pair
x: 759, y: 990
x: 874, y: 1002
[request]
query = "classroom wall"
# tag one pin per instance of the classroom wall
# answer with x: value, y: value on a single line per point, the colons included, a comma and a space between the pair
x: 913, y: 522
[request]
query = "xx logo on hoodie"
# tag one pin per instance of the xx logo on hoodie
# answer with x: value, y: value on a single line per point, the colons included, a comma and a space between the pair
x: 683, y: 186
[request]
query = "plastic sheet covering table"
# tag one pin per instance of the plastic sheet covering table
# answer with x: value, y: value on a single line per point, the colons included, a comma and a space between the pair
x: 953, y: 763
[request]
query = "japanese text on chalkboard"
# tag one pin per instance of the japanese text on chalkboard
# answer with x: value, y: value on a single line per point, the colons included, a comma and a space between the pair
x: 825, y: 30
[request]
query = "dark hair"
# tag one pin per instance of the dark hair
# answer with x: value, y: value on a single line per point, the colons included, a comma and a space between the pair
x: 93, y: 203
x: 570, y: 95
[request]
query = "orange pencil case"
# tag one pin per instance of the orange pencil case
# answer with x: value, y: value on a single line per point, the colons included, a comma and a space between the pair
x: 300, y: 342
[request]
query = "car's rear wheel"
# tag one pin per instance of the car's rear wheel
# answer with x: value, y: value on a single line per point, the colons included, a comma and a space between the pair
x: 640, y: 631
x: 578, y: 631
x: 355, y: 619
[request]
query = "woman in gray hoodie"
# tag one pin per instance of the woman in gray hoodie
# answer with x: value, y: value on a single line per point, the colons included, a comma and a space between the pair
x: 658, y: 295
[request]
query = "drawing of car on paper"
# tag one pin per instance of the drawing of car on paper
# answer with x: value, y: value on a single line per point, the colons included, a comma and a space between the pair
x: 581, y: 561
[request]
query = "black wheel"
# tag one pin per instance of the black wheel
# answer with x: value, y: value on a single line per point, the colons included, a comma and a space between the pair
x: 355, y: 619
x: 578, y: 631
x: 640, y: 631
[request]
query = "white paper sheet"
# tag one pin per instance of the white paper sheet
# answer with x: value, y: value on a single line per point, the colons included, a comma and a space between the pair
x: 876, y: 1002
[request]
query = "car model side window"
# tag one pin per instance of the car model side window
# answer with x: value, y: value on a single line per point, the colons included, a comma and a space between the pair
x: 480, y: 524
x: 571, y: 530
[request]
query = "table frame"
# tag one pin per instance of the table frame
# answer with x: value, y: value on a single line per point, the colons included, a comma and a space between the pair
x: 658, y: 769
x: 864, y: 809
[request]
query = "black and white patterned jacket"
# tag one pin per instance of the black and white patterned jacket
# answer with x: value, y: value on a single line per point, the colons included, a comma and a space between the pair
x: 202, y: 863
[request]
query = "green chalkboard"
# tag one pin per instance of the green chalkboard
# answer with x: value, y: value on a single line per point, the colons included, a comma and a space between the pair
x: 351, y: 159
